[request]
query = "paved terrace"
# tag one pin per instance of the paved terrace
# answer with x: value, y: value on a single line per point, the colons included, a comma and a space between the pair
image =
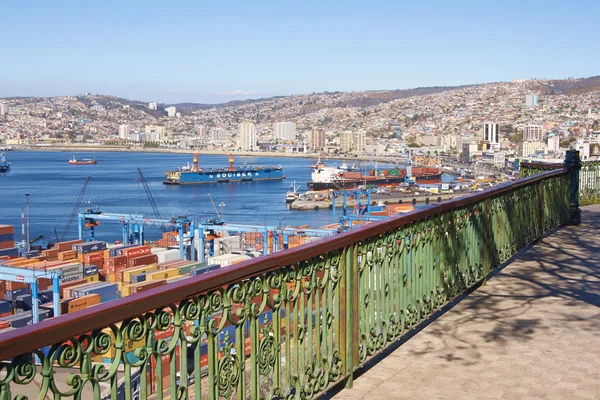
x: 532, y: 332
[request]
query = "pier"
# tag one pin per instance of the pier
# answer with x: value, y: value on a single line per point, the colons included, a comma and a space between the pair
x: 309, y: 205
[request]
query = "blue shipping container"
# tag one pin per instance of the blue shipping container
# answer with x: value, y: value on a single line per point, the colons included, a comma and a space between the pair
x: 12, y: 295
x: 205, y: 269
x: 7, y: 237
x: 90, y: 270
x: 140, y: 277
x: 5, y: 306
x: 107, y: 291
x: 24, y: 302
x: 24, y: 318
x: 89, y: 247
x: 12, y: 252
x: 31, y: 254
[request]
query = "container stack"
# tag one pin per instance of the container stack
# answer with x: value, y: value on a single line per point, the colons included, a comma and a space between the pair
x: 7, y: 243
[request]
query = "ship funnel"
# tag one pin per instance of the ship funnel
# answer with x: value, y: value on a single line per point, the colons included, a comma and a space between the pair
x: 195, y: 162
x: 231, y: 160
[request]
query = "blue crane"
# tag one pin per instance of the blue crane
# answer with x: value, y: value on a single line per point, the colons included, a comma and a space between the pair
x: 150, y: 198
x: 75, y: 209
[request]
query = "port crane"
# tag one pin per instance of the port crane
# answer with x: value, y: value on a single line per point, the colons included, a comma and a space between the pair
x: 75, y: 209
x: 151, y: 198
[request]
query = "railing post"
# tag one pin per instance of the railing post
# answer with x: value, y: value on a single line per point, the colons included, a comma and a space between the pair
x: 349, y: 301
x: 573, y: 162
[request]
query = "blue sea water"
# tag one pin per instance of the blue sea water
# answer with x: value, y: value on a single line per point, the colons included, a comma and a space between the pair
x: 54, y: 185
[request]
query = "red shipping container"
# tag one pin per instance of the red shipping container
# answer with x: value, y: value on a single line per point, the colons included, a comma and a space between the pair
x: 50, y: 253
x: 93, y: 258
x: 142, y: 260
x: 16, y: 285
x: 147, y: 286
x: 137, y: 251
x: 4, y: 325
x: 7, y: 245
x: 5, y: 229
x: 64, y: 246
x: 115, y: 261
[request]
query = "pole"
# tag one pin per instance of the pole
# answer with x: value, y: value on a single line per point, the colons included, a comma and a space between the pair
x: 22, y: 228
x: 27, y: 212
x: 56, y: 294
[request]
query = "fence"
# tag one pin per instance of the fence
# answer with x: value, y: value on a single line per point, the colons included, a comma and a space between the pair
x: 290, y: 324
x: 589, y: 178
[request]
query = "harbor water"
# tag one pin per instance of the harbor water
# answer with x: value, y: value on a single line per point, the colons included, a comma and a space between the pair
x: 53, y: 186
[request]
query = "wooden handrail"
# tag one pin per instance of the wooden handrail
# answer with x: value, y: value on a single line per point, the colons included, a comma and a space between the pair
x: 56, y: 330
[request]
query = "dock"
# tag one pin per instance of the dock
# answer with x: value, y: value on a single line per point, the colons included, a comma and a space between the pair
x: 307, y: 205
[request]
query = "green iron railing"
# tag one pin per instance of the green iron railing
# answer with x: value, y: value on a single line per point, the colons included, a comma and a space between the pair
x: 589, y: 177
x: 288, y: 325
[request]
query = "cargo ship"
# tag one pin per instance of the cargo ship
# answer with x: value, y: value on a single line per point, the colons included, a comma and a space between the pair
x: 189, y: 175
x: 4, y: 165
x: 338, y: 178
x: 85, y: 161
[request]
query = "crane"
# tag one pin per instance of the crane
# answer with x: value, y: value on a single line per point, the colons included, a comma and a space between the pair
x: 151, y: 198
x: 75, y: 209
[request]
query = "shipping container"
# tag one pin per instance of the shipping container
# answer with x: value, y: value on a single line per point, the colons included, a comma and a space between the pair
x: 50, y: 253
x: 203, y: 270
x: 65, y: 288
x: 67, y: 255
x: 5, y: 307
x: 107, y: 291
x: 128, y: 290
x: 6, y: 229
x: 137, y: 251
x: 68, y: 245
x: 168, y: 255
x: 90, y: 270
x: 7, y: 244
x: 164, y: 274
x: 129, y: 272
x: 92, y: 278
x: 115, y: 262
x: 4, y: 325
x: 25, y: 318
x: 24, y: 302
x: 91, y: 258
x: 142, y: 260
x: 89, y: 247
x: 80, y: 303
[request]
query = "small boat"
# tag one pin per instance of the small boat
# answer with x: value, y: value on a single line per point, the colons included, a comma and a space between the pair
x: 85, y: 161
x: 4, y: 165
x: 292, y: 194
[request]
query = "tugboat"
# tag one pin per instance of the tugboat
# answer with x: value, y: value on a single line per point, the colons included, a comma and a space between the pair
x: 85, y: 161
x: 292, y: 194
x: 194, y: 175
x: 4, y: 165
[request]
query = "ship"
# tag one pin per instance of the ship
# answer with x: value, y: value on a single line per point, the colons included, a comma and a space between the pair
x: 85, y: 161
x: 342, y: 177
x: 292, y: 194
x: 193, y: 175
x: 4, y: 165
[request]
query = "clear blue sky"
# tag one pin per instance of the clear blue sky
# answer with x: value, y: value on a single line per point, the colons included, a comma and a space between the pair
x: 215, y: 51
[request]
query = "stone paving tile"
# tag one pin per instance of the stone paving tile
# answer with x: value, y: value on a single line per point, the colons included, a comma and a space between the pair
x: 531, y: 332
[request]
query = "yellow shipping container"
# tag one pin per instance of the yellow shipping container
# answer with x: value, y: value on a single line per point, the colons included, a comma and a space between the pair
x: 112, y: 278
x: 164, y: 274
x: 92, y: 278
x: 129, y: 344
x: 129, y: 272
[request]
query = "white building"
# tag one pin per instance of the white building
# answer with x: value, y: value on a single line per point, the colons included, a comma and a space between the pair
x: 152, y: 105
x: 218, y: 135
x: 531, y: 100
x: 495, y: 158
x: 171, y: 111
x: 3, y: 109
x: 533, y: 133
x: 201, y: 132
x: 358, y: 141
x: 489, y: 132
x: 553, y: 144
x: 284, y: 130
x: 124, y: 132
x: 247, y: 138
x: 160, y: 129
x: 528, y: 148
x: 469, y: 149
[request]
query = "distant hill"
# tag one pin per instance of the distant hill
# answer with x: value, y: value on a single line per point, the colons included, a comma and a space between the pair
x: 571, y: 86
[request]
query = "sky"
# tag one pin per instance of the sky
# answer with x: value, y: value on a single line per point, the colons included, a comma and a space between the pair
x: 216, y: 51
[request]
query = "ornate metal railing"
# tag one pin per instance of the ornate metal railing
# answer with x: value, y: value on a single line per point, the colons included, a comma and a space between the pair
x: 589, y: 183
x: 589, y: 178
x: 290, y: 324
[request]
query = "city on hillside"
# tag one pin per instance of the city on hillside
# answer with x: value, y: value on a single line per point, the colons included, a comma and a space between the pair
x: 490, y: 124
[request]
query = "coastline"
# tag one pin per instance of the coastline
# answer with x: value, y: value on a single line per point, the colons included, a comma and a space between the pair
x: 122, y: 149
